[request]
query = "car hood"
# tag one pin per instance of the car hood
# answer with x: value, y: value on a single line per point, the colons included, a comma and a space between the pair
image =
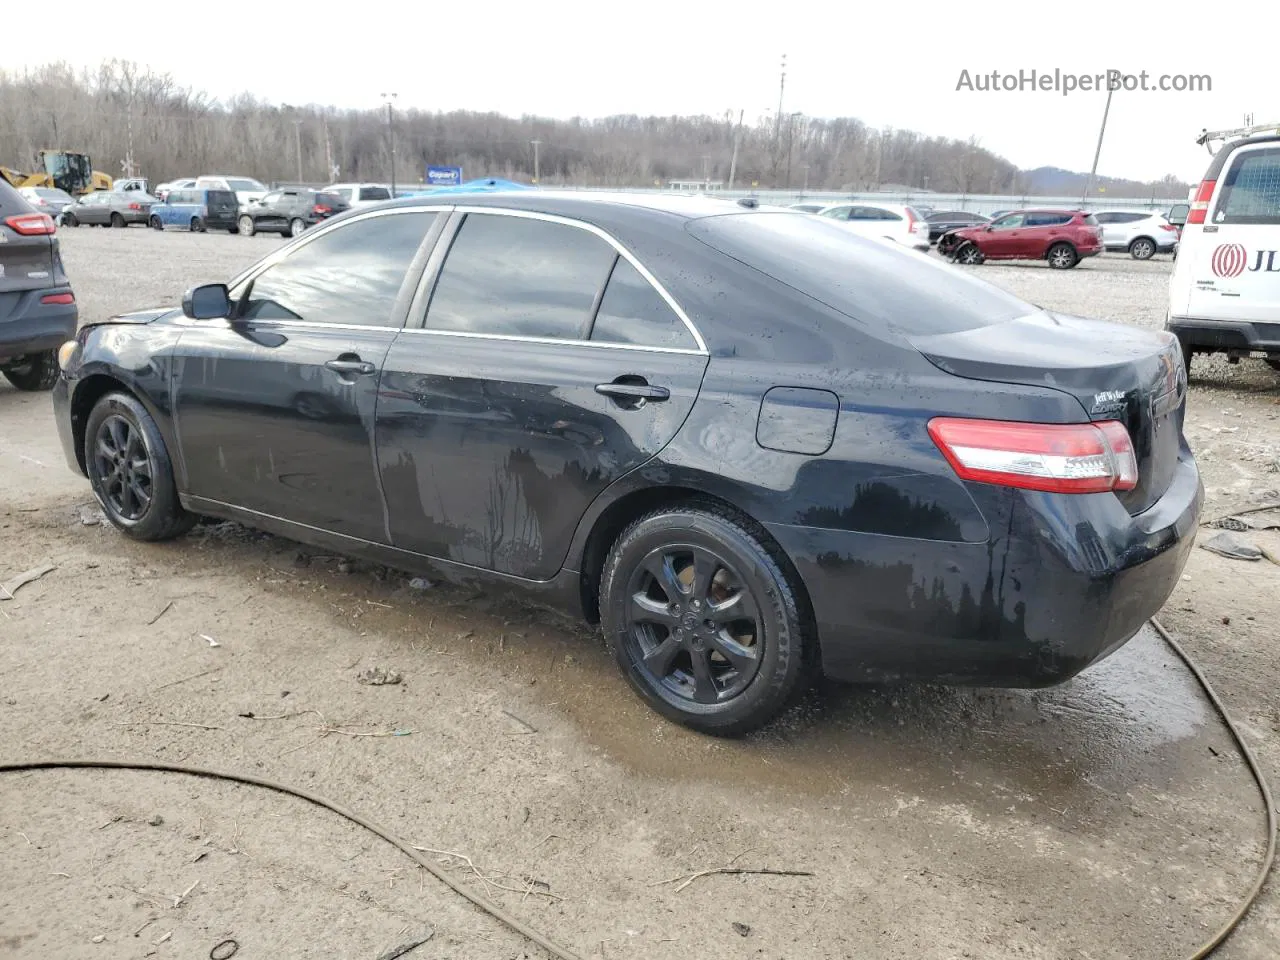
x: 137, y: 316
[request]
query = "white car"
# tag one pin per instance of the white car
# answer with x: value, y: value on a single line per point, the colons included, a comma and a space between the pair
x: 360, y: 194
x: 1224, y: 294
x: 164, y: 189
x: 1142, y: 233
x: 889, y: 221
x: 809, y: 207
x: 246, y: 189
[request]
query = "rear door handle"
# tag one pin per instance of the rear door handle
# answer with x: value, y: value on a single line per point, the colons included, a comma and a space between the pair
x: 360, y: 367
x: 633, y: 391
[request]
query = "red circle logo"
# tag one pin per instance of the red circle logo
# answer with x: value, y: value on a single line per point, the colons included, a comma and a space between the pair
x: 1229, y: 259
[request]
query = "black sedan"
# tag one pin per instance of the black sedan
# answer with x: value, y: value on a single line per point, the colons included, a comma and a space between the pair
x: 945, y: 221
x: 748, y: 442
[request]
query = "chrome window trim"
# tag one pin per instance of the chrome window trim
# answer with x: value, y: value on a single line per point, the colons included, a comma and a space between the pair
x: 618, y: 247
x: 520, y: 338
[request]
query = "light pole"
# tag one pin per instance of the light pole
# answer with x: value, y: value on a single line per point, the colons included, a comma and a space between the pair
x: 297, y: 144
x: 389, y: 100
x: 537, y: 174
x: 1088, y: 190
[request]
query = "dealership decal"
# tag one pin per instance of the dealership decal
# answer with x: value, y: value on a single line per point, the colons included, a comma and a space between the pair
x: 1230, y: 259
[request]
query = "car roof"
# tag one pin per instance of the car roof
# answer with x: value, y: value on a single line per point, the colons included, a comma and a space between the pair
x: 1231, y: 146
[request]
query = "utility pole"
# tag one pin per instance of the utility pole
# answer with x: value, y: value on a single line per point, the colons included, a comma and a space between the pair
x: 791, y: 138
x: 389, y: 99
x: 706, y: 170
x: 1088, y: 190
x: 328, y: 149
x: 733, y: 163
x: 297, y: 142
x: 777, y: 120
x: 537, y: 174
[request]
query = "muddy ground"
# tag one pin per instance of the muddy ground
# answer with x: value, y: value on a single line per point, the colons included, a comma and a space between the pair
x: 1108, y: 818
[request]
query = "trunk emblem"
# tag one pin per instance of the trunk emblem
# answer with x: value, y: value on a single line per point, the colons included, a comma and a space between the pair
x: 1108, y: 401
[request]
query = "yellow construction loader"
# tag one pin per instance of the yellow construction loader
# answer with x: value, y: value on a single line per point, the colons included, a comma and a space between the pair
x: 72, y: 172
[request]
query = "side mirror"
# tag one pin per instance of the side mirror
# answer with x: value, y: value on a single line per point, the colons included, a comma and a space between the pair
x: 211, y: 301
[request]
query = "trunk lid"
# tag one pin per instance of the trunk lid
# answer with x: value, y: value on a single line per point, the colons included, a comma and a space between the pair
x: 1116, y: 372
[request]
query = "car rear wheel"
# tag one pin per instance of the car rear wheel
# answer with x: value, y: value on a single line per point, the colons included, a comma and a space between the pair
x: 246, y: 226
x: 117, y: 221
x: 197, y: 225
x: 703, y: 620
x: 1062, y: 256
x: 36, y: 371
x: 130, y: 470
x: 296, y: 226
x: 969, y: 253
x: 1142, y: 249
x: 156, y: 224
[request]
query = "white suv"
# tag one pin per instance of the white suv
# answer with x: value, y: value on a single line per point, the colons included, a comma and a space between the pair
x: 1224, y: 295
x: 360, y: 194
x: 1140, y: 232
x: 889, y: 221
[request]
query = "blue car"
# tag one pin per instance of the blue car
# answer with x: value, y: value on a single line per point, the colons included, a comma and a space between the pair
x: 197, y: 209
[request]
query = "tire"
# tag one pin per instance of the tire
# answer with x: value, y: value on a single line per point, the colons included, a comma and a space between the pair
x: 1142, y: 248
x: 246, y: 227
x: 156, y: 224
x: 1188, y: 352
x: 120, y: 434
x: 233, y: 229
x: 1062, y: 256
x: 296, y: 226
x: 39, y: 371
x: 679, y: 662
x: 968, y: 253
x: 1273, y: 363
x: 117, y: 221
x: 197, y: 225
x: 70, y: 220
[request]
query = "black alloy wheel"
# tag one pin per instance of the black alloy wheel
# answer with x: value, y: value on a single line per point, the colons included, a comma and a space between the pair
x: 130, y: 471
x: 703, y: 620
x: 969, y: 254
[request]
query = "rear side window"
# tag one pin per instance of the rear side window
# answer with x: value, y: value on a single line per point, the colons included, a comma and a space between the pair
x: 1251, y: 191
x: 1049, y: 219
x: 518, y: 276
x: 375, y: 193
x: 632, y: 311
x: 1089, y: 220
x: 350, y: 275
x: 329, y: 199
x: 873, y: 283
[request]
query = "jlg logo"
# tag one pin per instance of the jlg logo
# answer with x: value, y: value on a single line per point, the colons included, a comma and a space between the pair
x: 1229, y: 260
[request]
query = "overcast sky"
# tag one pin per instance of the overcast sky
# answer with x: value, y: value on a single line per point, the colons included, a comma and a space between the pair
x: 897, y: 64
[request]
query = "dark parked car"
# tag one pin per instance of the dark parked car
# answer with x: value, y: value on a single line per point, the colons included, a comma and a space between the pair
x: 289, y: 212
x: 37, y: 307
x: 750, y: 443
x: 1062, y: 237
x: 109, y: 208
x: 945, y: 220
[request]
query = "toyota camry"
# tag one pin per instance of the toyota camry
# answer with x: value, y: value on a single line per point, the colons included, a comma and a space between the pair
x: 750, y: 444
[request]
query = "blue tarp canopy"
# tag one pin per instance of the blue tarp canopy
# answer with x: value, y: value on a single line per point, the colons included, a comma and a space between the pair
x: 483, y: 185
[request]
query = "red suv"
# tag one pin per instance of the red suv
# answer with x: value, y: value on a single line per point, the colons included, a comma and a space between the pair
x: 1063, y: 237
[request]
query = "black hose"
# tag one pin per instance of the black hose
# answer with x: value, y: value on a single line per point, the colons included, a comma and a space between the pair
x: 488, y: 906
x: 562, y: 953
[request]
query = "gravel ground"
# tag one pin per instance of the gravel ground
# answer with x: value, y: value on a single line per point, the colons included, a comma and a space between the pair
x: 1108, y: 818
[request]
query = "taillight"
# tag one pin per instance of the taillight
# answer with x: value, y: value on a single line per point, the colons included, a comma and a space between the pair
x: 1200, y: 205
x: 135, y: 206
x: 31, y: 224
x: 320, y: 209
x: 61, y: 298
x: 1054, y: 457
x: 911, y: 221
x: 1168, y: 226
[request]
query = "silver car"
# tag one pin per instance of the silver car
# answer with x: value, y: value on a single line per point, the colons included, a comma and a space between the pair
x: 48, y: 200
x: 104, y: 208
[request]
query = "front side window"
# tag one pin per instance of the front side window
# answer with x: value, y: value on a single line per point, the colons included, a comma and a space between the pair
x: 350, y: 275
x: 837, y: 213
x: 632, y: 311
x: 1008, y: 223
x: 519, y: 276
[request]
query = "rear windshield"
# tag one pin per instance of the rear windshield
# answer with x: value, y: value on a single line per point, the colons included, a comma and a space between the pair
x: 375, y: 193
x: 868, y: 280
x: 330, y: 199
x: 221, y: 196
x: 1092, y: 221
x: 1251, y: 191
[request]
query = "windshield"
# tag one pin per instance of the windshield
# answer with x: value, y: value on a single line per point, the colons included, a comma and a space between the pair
x: 69, y: 171
x: 868, y: 280
x: 245, y: 186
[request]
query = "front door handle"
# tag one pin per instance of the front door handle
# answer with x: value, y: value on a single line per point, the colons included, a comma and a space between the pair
x: 351, y: 366
x: 633, y: 391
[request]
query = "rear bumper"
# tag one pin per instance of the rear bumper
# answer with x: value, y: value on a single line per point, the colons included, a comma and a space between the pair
x: 1068, y: 581
x: 33, y: 327
x: 1211, y: 335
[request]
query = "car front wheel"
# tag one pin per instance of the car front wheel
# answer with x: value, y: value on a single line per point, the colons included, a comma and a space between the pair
x: 1062, y: 256
x: 130, y: 471
x: 296, y: 227
x: 246, y: 226
x: 969, y: 253
x: 703, y: 620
